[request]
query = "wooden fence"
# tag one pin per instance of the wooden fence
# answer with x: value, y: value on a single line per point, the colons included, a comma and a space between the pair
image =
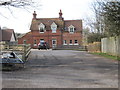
x: 109, y: 45
x: 19, y: 49
x: 94, y: 47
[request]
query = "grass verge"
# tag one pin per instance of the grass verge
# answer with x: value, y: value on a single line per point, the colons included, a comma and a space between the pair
x: 107, y: 55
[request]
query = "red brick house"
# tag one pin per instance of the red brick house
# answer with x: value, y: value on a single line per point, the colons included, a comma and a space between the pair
x: 55, y: 31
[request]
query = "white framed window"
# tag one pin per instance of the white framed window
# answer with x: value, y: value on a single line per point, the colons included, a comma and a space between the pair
x: 53, y: 27
x: 41, y: 28
x: 71, y: 29
x: 35, y: 44
x: 70, y: 42
x: 24, y: 41
x: 64, y: 42
x: 76, y: 42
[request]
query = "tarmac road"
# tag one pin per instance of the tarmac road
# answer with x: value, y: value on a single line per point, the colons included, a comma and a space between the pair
x: 63, y: 69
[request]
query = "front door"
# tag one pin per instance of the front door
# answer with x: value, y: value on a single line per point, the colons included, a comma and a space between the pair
x: 54, y: 43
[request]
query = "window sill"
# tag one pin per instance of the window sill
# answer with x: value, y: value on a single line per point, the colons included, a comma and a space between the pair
x: 76, y: 44
x: 53, y: 32
x: 41, y: 32
x: 71, y: 32
x: 64, y: 44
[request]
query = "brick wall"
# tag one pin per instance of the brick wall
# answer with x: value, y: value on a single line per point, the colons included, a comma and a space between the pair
x: 48, y: 36
x: 75, y: 36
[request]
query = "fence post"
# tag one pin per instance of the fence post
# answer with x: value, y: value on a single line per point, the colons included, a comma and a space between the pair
x: 24, y: 53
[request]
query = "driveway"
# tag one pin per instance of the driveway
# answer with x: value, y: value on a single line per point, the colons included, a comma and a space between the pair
x: 63, y: 69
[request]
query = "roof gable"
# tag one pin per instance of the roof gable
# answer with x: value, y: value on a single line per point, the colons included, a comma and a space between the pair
x: 12, y: 38
x: 71, y: 26
x: 53, y: 24
x: 7, y: 34
x: 76, y: 23
x: 41, y: 25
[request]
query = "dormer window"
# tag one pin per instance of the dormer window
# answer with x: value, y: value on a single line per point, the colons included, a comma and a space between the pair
x: 42, y: 28
x: 71, y: 29
x: 53, y: 27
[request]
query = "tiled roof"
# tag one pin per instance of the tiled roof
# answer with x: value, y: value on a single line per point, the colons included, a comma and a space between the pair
x: 60, y: 23
x: 6, y: 34
x: 76, y: 23
x: 23, y: 35
x: 47, y: 22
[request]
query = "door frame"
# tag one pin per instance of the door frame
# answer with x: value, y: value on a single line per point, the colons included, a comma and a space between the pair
x: 54, y: 45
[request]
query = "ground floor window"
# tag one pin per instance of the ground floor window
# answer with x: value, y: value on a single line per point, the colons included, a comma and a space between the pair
x: 35, y: 44
x: 24, y: 41
x: 70, y: 42
x: 76, y: 42
x: 64, y: 42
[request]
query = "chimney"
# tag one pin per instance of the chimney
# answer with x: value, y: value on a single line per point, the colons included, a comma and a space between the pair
x: 34, y: 15
x: 60, y: 14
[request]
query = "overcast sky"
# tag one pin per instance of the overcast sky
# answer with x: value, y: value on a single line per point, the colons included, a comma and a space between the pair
x: 20, y: 20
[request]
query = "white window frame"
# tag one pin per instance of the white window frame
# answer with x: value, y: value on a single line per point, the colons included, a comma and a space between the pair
x: 24, y: 41
x: 71, y: 27
x: 35, y: 42
x: 42, y: 26
x: 53, y: 27
x: 70, y: 43
x: 76, y: 43
x: 64, y: 42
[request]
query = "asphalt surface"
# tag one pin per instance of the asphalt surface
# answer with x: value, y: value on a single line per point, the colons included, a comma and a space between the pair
x: 63, y: 69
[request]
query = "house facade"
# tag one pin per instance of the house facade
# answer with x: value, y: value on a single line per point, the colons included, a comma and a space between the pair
x: 57, y: 32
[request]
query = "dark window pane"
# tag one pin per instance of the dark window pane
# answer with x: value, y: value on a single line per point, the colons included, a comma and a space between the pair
x: 76, y: 41
x: 70, y: 41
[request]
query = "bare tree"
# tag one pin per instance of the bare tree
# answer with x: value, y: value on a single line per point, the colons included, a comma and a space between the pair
x: 97, y: 7
x: 96, y: 21
x: 112, y: 17
x: 22, y: 4
x: 17, y: 3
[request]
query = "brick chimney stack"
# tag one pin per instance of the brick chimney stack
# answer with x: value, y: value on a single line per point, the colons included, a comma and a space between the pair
x: 60, y: 14
x: 34, y: 15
